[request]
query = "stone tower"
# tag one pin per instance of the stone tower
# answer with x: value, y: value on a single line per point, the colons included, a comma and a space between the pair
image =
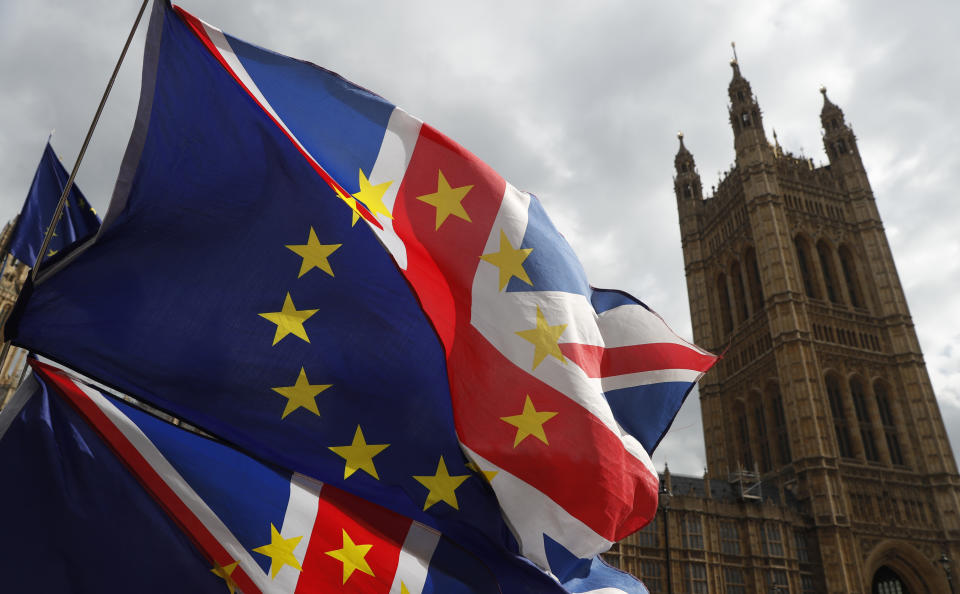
x: 822, y: 391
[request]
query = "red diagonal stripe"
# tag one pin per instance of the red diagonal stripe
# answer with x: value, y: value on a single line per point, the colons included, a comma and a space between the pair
x: 367, y: 524
x: 197, y: 27
x: 584, y: 468
x: 598, y: 361
x: 148, y: 477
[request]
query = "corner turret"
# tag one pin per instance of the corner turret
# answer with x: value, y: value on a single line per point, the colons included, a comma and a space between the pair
x: 838, y: 139
x: 687, y: 187
x: 686, y: 183
x: 746, y: 119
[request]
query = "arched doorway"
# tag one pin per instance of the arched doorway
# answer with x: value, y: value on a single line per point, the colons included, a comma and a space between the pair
x: 887, y: 581
x: 896, y: 566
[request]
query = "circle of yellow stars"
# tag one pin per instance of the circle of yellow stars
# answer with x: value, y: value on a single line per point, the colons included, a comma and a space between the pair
x: 359, y: 455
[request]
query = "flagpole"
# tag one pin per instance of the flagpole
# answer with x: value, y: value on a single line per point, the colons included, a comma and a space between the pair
x: 5, y: 350
x: 83, y: 149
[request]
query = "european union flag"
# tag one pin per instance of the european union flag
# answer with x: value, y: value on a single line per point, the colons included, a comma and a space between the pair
x: 78, y: 221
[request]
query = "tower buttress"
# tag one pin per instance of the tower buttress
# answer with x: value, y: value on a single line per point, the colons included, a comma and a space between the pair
x: 690, y: 206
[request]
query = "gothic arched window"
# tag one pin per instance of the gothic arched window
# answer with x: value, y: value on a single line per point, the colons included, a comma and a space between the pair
x: 760, y: 418
x: 726, y: 314
x: 779, y: 424
x: 848, y: 264
x: 756, y: 288
x: 803, y: 261
x: 889, y: 424
x: 839, y: 420
x: 863, y: 419
x: 743, y: 435
x: 739, y: 294
x: 826, y: 266
x: 887, y: 581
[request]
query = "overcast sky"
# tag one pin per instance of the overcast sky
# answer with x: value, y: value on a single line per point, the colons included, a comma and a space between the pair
x: 578, y: 102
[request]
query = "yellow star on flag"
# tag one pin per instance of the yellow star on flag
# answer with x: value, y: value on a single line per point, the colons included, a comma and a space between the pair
x: 442, y: 486
x: 403, y: 588
x: 448, y: 201
x: 52, y: 253
x: 302, y: 394
x: 289, y: 320
x: 352, y: 203
x: 372, y: 196
x: 359, y: 455
x: 226, y: 573
x: 352, y: 556
x: 545, y: 339
x: 314, y: 254
x: 509, y: 260
x: 529, y: 422
x: 487, y: 474
x: 280, y: 551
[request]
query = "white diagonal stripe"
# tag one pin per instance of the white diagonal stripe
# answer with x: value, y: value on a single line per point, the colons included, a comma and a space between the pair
x: 414, y: 562
x: 183, y: 490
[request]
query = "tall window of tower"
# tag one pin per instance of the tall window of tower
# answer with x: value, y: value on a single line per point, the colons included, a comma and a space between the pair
x: 850, y: 276
x: 756, y: 287
x: 743, y: 436
x: 889, y: 425
x: 839, y: 420
x: 687, y: 191
x: 803, y: 261
x: 760, y: 418
x: 725, y: 313
x: 826, y: 266
x: 739, y: 294
x: 745, y: 118
x: 863, y: 419
x: 740, y: 95
x: 779, y: 424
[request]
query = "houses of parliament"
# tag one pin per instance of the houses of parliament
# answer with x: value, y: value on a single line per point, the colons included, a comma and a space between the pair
x: 829, y: 468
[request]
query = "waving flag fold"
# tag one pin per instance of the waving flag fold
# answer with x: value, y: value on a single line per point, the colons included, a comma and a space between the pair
x: 299, y: 267
x: 77, y: 222
x: 218, y: 519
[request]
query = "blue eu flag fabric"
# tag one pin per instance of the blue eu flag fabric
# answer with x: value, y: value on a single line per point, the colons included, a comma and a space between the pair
x: 74, y: 519
x: 78, y: 221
